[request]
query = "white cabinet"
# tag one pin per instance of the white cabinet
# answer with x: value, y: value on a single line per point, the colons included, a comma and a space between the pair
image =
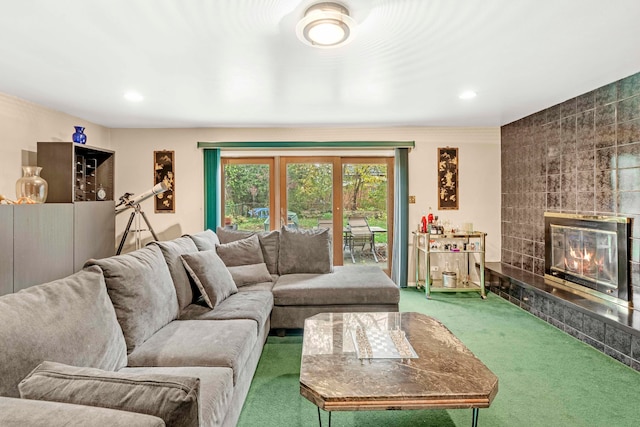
x: 452, y: 262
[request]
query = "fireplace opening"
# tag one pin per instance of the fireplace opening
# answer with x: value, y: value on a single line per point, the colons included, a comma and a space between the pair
x: 588, y: 253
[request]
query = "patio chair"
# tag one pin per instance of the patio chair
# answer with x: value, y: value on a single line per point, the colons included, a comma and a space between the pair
x: 359, y: 235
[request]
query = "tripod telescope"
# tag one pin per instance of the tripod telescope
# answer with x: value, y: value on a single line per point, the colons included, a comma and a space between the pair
x: 126, y: 202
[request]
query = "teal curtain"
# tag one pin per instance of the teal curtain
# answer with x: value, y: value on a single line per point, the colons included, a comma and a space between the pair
x: 212, y: 188
x: 400, y: 263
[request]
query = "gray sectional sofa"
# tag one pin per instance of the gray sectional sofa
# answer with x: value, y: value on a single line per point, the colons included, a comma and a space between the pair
x: 170, y: 334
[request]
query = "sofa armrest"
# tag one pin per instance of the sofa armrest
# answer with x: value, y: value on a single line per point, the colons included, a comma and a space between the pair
x: 16, y: 412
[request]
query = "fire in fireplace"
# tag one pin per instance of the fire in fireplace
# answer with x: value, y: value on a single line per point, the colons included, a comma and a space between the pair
x: 588, y: 253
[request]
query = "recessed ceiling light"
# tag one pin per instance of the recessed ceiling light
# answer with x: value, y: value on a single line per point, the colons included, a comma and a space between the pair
x: 133, y: 96
x: 325, y: 25
x: 469, y: 94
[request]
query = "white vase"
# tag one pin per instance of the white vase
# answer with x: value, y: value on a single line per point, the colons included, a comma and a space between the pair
x: 32, y: 185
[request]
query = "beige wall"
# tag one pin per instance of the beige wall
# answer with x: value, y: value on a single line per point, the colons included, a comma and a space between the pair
x: 23, y: 124
x: 479, y: 152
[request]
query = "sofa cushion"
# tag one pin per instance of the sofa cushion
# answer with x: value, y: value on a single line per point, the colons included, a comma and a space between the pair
x: 269, y: 243
x: 241, y: 252
x: 172, y: 398
x: 70, y: 320
x: 305, y: 251
x: 260, y: 287
x: 250, y: 274
x: 171, y: 250
x: 142, y: 292
x: 222, y: 343
x: 243, y: 305
x: 346, y: 285
x: 210, y: 275
x: 205, y: 240
x: 216, y: 389
x: 41, y: 413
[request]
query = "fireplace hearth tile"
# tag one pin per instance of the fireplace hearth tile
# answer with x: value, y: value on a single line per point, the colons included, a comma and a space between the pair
x: 593, y: 343
x: 541, y: 304
x: 556, y: 310
x: 617, y: 355
x: 617, y: 339
x: 594, y: 328
x: 635, y: 348
x: 557, y: 323
x: 600, y: 318
x: 573, y: 318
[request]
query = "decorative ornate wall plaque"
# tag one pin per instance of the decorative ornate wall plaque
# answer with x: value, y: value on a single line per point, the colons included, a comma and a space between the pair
x: 447, y: 178
x: 163, y: 171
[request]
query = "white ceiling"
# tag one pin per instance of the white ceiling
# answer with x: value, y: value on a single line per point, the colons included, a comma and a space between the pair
x: 206, y: 63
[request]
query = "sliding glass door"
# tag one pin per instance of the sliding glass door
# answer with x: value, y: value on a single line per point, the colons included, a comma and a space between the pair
x: 368, y: 209
x: 353, y: 196
x: 248, y: 196
x: 306, y: 191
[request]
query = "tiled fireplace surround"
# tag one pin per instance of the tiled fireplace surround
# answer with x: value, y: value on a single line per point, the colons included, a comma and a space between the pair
x: 581, y: 157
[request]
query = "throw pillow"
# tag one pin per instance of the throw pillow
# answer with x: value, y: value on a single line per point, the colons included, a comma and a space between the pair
x: 205, y: 240
x: 227, y: 236
x: 210, y: 275
x: 269, y: 242
x: 170, y: 397
x: 305, y: 251
x: 250, y: 274
x: 241, y: 252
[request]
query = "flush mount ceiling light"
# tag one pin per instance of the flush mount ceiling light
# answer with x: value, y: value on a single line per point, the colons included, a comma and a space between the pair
x: 133, y: 96
x: 325, y: 25
x: 469, y: 94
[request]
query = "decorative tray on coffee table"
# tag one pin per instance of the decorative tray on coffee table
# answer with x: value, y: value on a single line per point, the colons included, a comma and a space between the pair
x: 381, y: 344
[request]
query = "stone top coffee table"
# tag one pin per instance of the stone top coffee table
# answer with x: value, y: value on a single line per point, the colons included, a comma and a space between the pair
x: 361, y: 361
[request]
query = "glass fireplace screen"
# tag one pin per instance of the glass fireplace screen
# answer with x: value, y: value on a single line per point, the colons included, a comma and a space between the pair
x: 591, y: 255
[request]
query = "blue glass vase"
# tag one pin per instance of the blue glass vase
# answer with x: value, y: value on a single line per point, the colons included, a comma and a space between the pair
x: 79, y: 136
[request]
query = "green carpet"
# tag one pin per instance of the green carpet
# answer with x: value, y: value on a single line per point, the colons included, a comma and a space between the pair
x: 547, y: 378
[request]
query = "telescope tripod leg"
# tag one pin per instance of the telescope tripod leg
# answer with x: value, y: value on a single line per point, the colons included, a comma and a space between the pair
x: 126, y: 232
x: 153, y: 233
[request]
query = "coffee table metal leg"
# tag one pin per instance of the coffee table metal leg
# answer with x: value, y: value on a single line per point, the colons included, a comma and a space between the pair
x: 474, y: 417
x: 320, y: 418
